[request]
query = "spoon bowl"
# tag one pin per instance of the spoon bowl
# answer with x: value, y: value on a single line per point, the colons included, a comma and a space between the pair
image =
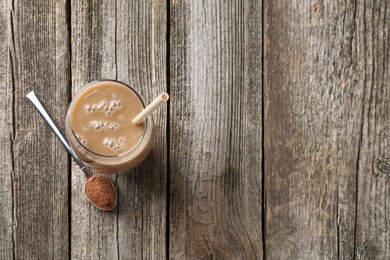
x: 104, y: 201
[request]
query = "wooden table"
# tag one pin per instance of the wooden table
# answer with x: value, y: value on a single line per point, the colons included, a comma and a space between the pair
x: 275, y: 143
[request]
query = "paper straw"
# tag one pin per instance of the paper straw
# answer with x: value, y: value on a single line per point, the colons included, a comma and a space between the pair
x: 163, y: 97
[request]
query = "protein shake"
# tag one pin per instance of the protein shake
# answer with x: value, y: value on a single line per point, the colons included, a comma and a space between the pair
x: 99, y: 127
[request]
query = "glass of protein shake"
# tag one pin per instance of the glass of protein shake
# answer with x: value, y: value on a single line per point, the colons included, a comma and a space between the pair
x: 100, y: 130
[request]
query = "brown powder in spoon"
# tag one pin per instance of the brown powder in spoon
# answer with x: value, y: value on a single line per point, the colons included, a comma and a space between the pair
x: 100, y: 192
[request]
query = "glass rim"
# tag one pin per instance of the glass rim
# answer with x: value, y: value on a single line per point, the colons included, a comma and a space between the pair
x: 69, y: 115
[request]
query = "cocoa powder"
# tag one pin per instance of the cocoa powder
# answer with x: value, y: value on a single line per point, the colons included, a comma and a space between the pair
x: 100, y: 192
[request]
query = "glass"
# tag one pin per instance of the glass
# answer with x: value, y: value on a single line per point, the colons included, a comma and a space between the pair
x: 115, y: 163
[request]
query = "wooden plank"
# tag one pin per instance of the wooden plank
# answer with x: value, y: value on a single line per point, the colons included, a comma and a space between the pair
x: 215, y: 130
x: 125, y: 41
x: 39, y: 53
x: 314, y: 97
x: 373, y: 222
x: 6, y: 136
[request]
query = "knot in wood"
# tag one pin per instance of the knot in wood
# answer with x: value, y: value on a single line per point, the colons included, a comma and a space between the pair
x: 383, y: 167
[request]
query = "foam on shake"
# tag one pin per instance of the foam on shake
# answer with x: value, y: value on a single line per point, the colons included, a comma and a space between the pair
x: 101, y: 118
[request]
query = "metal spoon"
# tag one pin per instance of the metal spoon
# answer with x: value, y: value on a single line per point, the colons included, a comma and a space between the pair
x: 33, y: 98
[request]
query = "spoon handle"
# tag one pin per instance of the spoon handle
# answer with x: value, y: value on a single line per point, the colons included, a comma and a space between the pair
x: 33, y: 98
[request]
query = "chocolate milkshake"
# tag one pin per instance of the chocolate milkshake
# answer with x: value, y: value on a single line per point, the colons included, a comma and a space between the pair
x: 99, y: 127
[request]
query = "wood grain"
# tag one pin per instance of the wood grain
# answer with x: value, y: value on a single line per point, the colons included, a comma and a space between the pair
x: 373, y: 222
x: 125, y: 41
x: 215, y: 130
x: 309, y: 143
x: 320, y: 72
x: 6, y: 136
x: 39, y: 60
